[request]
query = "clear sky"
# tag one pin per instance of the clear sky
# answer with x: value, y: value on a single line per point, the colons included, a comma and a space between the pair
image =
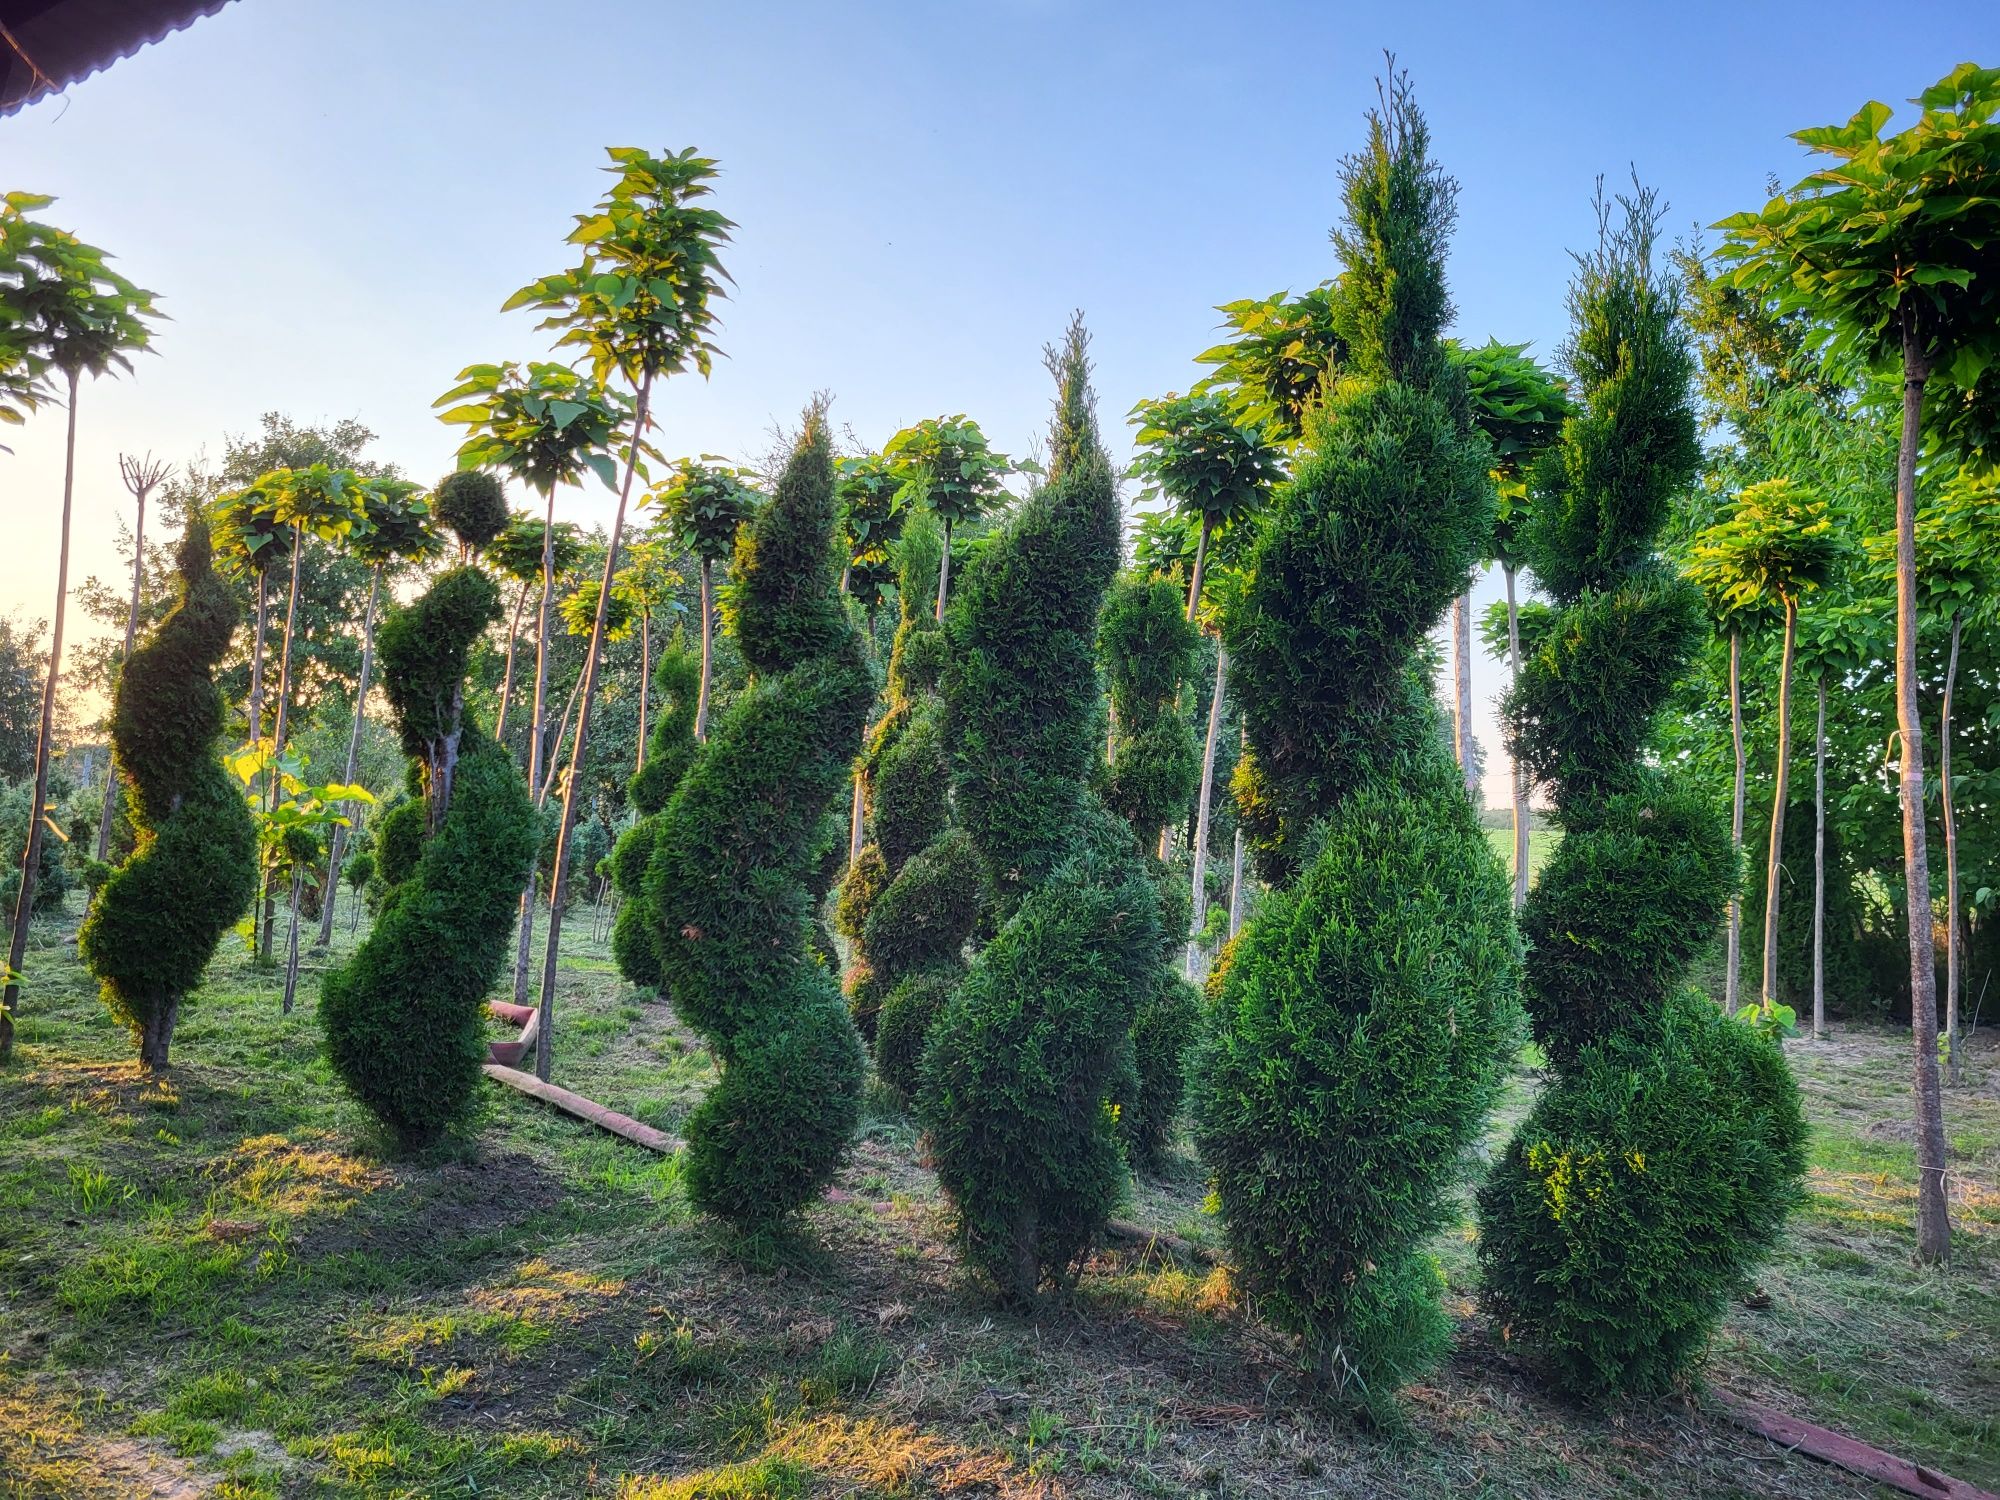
x: 333, y: 197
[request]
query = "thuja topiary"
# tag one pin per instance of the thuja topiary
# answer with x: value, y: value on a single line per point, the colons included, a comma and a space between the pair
x: 912, y: 898
x: 1660, y: 1161
x: 734, y: 855
x: 1360, y: 1029
x: 405, y: 1017
x: 1148, y: 647
x: 670, y: 751
x: 154, y: 926
x: 1020, y: 1066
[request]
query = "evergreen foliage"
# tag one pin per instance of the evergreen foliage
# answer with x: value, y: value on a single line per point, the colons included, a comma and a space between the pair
x: 405, y: 1017
x: 1660, y: 1161
x: 154, y: 926
x: 1359, y: 1034
x: 1024, y: 1057
x: 670, y: 751
x: 472, y: 504
x: 735, y: 850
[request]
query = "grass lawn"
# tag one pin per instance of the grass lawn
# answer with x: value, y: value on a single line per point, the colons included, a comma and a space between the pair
x: 1541, y: 844
x: 221, y: 1286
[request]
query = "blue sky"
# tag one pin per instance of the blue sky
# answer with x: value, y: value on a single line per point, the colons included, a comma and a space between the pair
x: 333, y: 197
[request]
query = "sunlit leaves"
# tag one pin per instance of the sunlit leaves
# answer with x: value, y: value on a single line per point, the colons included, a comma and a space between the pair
x: 63, y: 310
x: 395, y: 523
x: 1776, y: 542
x: 1208, y: 464
x: 947, y: 464
x: 543, y: 423
x: 520, y: 550
x: 703, y: 502
x: 1277, y: 358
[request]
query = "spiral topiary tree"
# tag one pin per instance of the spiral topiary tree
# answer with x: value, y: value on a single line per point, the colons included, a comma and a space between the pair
x: 1148, y: 646
x: 735, y: 851
x: 911, y: 899
x: 405, y: 1016
x: 154, y: 926
x: 1020, y: 1066
x: 1661, y: 1159
x: 1360, y: 1028
x: 670, y: 751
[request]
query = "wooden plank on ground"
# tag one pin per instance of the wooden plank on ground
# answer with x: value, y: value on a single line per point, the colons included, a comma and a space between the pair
x: 584, y: 1109
x: 1844, y: 1452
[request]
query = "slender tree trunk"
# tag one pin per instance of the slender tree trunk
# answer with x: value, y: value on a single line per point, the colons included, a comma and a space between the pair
x: 280, y: 733
x: 707, y: 649
x: 337, y: 844
x: 554, y: 756
x: 856, y: 814
x: 1202, y: 804
x: 104, y: 818
x: 1461, y: 698
x: 1933, y: 1211
x: 1781, y: 785
x: 507, y: 680
x: 645, y: 679
x: 255, y: 711
x: 157, y: 1035
x: 1819, y: 868
x: 31, y: 856
x: 1954, y: 1059
x: 1523, y: 817
x: 1236, y: 865
x: 1200, y: 568
x: 292, y: 941
x: 580, y: 744
x: 944, y: 570
x: 524, y: 939
x: 1732, y: 980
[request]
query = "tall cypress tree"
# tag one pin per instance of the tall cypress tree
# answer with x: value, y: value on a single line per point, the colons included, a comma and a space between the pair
x: 1661, y: 1159
x: 1020, y: 1064
x: 1358, y: 1036
x: 735, y: 853
x: 670, y: 750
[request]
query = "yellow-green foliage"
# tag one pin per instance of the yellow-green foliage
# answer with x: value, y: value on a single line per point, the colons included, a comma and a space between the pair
x: 405, y: 1017
x: 735, y: 850
x: 1660, y: 1161
x: 153, y: 928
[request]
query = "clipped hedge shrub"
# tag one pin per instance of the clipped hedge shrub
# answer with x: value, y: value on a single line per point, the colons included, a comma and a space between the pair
x: 155, y: 923
x: 670, y: 747
x: 405, y: 1017
x: 1661, y: 1159
x: 734, y: 855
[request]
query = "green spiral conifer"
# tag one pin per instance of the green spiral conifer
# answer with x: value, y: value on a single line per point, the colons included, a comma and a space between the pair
x: 735, y: 853
x: 1659, y: 1163
x: 405, y: 1017
x: 1360, y: 1028
x: 154, y: 926
x: 1021, y: 1064
x: 670, y: 748
x: 912, y: 899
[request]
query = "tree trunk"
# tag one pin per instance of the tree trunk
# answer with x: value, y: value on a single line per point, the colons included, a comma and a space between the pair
x: 255, y: 708
x: 104, y: 818
x: 1954, y: 1059
x: 279, y: 733
x: 507, y: 680
x: 1461, y: 698
x: 1236, y: 886
x: 337, y: 845
x: 157, y: 1035
x: 1200, y: 567
x: 292, y: 942
x: 1819, y: 868
x: 525, y: 936
x: 1523, y: 817
x: 1933, y: 1213
x: 1732, y: 980
x: 1781, y: 784
x: 31, y: 856
x: 944, y: 570
x: 554, y: 755
x: 645, y: 680
x: 856, y: 814
x: 707, y: 650
x: 580, y: 744
x: 1202, y: 803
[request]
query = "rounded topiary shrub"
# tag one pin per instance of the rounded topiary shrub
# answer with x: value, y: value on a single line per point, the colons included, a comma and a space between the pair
x: 405, y: 1017
x: 670, y: 748
x: 735, y: 853
x: 473, y: 505
x: 1621, y: 1218
x: 154, y: 926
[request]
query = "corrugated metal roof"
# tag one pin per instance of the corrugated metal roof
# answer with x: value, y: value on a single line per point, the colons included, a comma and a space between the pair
x: 47, y: 45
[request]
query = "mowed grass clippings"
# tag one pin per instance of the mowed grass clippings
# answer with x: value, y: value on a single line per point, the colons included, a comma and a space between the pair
x: 224, y: 1285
